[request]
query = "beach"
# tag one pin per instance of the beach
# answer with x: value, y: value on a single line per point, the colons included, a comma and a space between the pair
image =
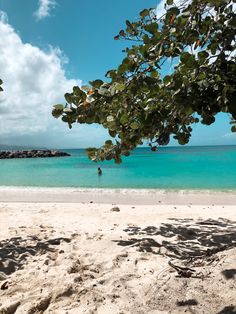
x: 118, y: 157
x: 117, y: 251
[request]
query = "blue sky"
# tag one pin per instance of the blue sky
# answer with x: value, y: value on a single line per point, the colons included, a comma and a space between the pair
x: 84, y: 30
x: 47, y: 46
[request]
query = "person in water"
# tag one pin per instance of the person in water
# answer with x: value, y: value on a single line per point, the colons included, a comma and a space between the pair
x: 99, y: 171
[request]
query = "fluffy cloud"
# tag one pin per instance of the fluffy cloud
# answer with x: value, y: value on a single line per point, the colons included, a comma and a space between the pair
x: 34, y: 80
x: 44, y: 9
x: 160, y: 9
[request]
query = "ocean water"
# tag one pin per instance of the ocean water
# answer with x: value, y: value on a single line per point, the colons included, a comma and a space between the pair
x: 212, y: 167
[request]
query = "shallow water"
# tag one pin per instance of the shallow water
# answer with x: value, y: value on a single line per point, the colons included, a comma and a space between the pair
x: 170, y: 168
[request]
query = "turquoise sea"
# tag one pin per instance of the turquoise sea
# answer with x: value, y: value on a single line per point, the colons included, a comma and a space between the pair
x: 212, y: 167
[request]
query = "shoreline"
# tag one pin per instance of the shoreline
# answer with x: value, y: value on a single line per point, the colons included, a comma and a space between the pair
x: 117, y: 196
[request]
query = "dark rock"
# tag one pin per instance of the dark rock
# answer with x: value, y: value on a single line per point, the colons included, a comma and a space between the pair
x: 32, y: 154
x: 115, y: 209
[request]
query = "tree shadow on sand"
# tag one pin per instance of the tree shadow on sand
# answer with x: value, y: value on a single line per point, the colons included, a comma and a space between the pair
x: 229, y: 273
x: 184, y: 238
x: 228, y: 310
x: 15, y: 251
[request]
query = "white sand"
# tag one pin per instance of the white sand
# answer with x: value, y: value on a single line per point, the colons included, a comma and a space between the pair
x: 70, y: 257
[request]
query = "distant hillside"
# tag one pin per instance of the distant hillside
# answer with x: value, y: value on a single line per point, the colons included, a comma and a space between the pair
x: 16, y: 147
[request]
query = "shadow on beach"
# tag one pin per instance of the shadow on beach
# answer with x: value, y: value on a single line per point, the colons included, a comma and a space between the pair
x: 15, y: 251
x: 228, y: 310
x: 185, y: 238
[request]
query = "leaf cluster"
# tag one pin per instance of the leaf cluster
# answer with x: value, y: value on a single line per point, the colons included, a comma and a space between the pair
x: 139, y: 102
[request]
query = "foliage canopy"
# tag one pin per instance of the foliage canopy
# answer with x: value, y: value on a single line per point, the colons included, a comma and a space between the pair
x: 138, y: 102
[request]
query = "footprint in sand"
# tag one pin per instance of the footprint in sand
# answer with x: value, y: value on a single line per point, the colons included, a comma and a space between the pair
x: 10, y: 309
x: 75, y: 267
x: 119, y: 259
x: 43, y: 211
x: 40, y: 305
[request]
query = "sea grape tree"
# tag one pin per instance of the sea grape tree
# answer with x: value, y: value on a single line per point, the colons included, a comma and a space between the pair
x: 139, y: 102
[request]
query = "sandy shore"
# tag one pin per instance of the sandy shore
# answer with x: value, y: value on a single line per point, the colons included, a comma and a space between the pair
x: 119, y: 196
x: 116, y: 257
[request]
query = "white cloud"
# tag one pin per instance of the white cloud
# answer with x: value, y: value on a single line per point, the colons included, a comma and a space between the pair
x: 33, y: 80
x: 44, y: 9
x: 229, y: 135
x: 160, y: 9
x: 3, y: 17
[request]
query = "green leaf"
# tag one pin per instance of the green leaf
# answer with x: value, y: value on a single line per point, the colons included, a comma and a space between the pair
x: 122, y: 33
x: 78, y: 95
x: 146, y: 39
x: 127, y: 22
x: 154, y: 74
x: 213, y: 48
x: 144, y: 13
x: 112, y: 126
x: 65, y: 119
x: 188, y: 59
x: 108, y: 142
x: 151, y: 28
x: 208, y: 120
x: 68, y: 98
x: 118, y: 160
x: 58, y: 107
x: 134, y: 125
x: 182, y: 141
x: 111, y: 74
x: 172, y: 11
x: 124, y: 119
x: 233, y: 129
x: 76, y: 90
x: 120, y: 87
x: 126, y: 153
x: 96, y: 83
x: 112, y: 133
x: 185, y: 56
x: 122, y: 68
x: 203, y: 55
x: 169, y: 2
x: 56, y: 113
x: 167, y: 80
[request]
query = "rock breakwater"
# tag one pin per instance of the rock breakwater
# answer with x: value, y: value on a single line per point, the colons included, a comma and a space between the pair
x: 35, y: 153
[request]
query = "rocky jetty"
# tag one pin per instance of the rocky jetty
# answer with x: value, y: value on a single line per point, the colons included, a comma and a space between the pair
x: 35, y: 153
